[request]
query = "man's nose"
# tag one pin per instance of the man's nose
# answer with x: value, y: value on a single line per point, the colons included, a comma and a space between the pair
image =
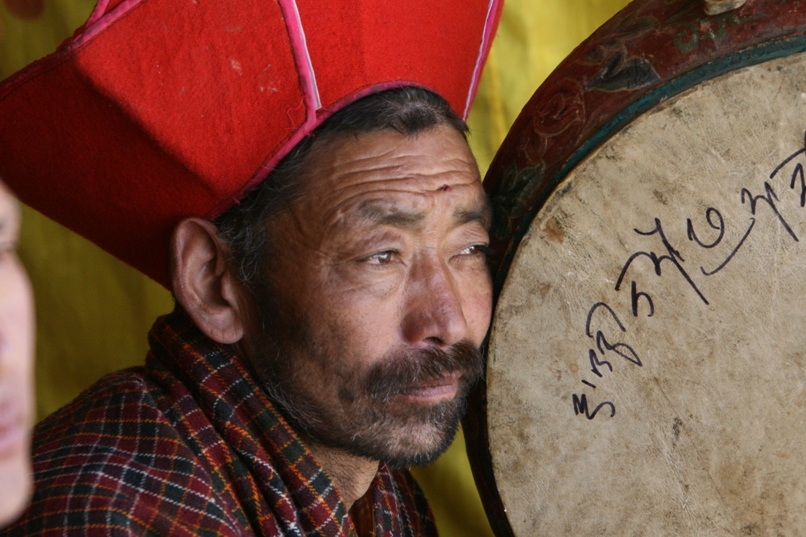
x: 434, y: 312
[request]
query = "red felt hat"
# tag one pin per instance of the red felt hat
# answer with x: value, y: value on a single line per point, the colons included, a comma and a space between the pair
x: 158, y: 110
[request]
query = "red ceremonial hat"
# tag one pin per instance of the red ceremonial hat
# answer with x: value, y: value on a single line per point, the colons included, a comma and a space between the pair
x: 156, y: 110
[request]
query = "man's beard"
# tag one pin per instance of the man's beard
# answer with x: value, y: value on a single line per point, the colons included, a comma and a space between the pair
x: 370, y: 420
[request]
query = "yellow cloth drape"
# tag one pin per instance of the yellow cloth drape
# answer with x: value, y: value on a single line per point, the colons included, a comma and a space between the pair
x: 93, y: 312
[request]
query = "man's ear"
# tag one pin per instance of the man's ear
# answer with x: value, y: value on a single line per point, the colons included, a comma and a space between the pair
x: 203, y: 281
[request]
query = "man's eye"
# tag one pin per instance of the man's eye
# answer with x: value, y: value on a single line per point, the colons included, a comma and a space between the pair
x: 381, y: 258
x: 475, y: 249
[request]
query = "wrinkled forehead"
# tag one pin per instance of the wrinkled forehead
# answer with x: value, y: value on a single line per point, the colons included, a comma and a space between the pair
x: 378, y: 171
x: 459, y: 204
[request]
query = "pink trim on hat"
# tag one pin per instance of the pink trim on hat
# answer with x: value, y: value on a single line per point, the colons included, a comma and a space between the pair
x: 311, y: 101
x: 97, y: 12
x: 263, y: 172
x: 100, y: 20
x: 486, y: 37
x: 302, y: 56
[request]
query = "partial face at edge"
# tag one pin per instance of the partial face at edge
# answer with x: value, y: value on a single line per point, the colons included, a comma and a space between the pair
x: 16, y: 366
x: 383, y: 292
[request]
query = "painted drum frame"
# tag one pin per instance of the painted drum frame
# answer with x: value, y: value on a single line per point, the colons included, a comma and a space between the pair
x: 648, y: 52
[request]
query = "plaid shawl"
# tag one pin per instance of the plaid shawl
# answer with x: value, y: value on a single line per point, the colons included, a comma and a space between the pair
x: 190, y: 445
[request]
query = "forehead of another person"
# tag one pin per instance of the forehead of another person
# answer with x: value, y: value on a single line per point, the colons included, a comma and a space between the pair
x: 9, y: 215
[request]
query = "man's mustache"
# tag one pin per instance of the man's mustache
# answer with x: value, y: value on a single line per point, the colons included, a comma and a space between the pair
x: 392, y: 376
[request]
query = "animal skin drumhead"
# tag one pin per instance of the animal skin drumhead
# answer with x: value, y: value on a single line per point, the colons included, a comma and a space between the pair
x: 647, y: 362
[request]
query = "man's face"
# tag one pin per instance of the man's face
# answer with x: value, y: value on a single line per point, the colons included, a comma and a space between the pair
x: 380, y: 295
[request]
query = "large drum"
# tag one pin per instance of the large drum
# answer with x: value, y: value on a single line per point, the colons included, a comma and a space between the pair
x: 646, y: 369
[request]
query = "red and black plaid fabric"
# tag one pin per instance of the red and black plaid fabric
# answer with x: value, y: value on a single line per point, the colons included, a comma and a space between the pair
x: 190, y: 445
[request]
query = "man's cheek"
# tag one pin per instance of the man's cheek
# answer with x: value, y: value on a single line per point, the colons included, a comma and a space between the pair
x: 357, y: 282
x: 478, y: 299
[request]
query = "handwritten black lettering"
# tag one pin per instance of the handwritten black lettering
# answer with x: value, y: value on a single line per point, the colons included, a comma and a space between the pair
x: 606, y: 308
x: 672, y: 255
x: 797, y: 174
x: 581, y: 407
x: 635, y: 295
x: 641, y: 300
x: 719, y: 225
x: 728, y: 259
x: 790, y: 158
x: 769, y: 197
x: 596, y: 363
x: 622, y: 349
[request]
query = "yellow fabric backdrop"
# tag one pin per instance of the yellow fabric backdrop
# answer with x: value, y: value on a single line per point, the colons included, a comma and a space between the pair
x: 94, y: 312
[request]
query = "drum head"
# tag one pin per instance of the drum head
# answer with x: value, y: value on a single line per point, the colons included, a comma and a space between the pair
x: 647, y: 362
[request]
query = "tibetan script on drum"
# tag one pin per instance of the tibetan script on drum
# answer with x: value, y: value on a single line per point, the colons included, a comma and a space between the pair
x: 611, y: 347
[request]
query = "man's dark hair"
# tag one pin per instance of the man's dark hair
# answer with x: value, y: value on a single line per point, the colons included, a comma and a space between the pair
x: 407, y: 110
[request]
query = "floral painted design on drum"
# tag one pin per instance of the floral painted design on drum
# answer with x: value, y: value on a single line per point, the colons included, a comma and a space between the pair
x: 561, y: 110
x: 622, y: 73
x: 631, y: 27
x: 694, y: 28
x: 560, y: 114
x: 511, y: 201
x: 617, y: 68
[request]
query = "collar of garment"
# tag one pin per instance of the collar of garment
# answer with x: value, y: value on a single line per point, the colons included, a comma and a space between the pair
x: 257, y: 461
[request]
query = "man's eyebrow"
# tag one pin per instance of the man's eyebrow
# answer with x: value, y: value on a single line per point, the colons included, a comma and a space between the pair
x: 383, y: 214
x: 482, y: 214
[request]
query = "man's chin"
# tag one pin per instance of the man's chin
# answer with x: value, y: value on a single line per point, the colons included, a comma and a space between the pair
x: 425, y: 452
x: 410, y: 442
